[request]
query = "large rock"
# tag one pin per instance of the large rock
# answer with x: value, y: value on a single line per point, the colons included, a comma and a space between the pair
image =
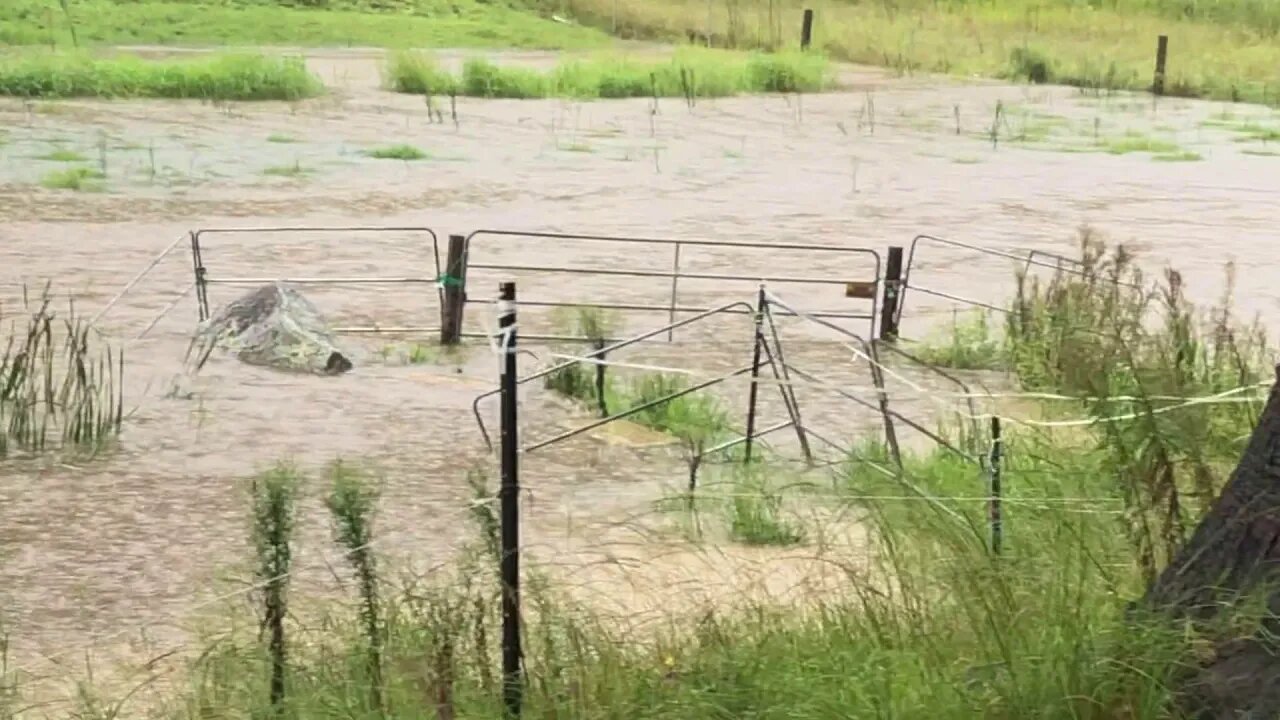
x: 274, y: 326
x: 1232, y: 561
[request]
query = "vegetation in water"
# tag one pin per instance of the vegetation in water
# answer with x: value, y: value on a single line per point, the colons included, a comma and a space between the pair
x: 219, y: 77
x: 690, y: 73
x: 58, y: 379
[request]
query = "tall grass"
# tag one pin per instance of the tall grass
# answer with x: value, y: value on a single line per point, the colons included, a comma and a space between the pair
x: 220, y: 77
x: 274, y: 499
x: 1221, y: 50
x: 689, y: 73
x: 56, y: 376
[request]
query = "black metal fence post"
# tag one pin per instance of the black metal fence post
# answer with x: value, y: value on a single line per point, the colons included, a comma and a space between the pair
x: 997, y: 522
x: 753, y: 391
x: 509, y: 496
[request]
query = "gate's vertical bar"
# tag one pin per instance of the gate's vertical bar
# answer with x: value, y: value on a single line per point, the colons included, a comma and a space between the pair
x: 997, y: 529
x: 455, y: 295
x: 202, y: 282
x: 806, y: 30
x: 892, y: 288
x: 509, y: 496
x: 757, y: 341
x: 675, y: 279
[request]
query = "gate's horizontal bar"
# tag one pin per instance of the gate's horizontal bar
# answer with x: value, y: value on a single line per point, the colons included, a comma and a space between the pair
x: 657, y: 274
x: 680, y: 241
x: 668, y: 308
x: 957, y: 298
x: 740, y: 440
x: 324, y: 281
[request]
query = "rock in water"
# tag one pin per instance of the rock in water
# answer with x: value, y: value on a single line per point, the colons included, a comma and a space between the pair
x: 273, y: 326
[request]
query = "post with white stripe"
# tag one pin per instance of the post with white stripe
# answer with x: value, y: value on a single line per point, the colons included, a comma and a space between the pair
x: 509, y: 497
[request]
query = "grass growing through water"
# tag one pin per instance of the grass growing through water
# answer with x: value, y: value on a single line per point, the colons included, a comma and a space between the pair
x: 73, y: 178
x: 969, y: 344
x: 399, y: 152
x: 63, y: 155
x: 691, y: 73
x: 56, y: 376
x: 220, y: 77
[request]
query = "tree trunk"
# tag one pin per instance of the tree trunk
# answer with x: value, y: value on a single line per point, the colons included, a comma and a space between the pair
x: 1232, y: 557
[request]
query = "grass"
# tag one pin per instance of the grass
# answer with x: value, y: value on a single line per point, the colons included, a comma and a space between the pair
x: 219, y: 77
x: 420, y: 353
x: 399, y: 152
x: 1135, y: 142
x: 969, y: 344
x: 280, y: 138
x: 1223, y: 50
x: 691, y: 73
x: 79, y: 179
x: 56, y: 376
x: 425, y: 23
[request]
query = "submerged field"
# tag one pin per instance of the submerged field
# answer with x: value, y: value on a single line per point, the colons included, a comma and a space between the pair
x: 787, y: 592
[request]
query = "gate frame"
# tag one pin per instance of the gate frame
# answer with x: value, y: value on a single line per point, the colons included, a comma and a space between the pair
x: 854, y: 289
x: 202, y: 280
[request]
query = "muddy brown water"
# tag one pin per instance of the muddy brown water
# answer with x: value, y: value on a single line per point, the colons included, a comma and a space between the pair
x: 149, y: 535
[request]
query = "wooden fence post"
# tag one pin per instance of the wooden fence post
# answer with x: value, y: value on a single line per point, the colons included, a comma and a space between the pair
x: 455, y: 291
x: 892, y: 291
x: 1162, y: 54
x: 806, y: 30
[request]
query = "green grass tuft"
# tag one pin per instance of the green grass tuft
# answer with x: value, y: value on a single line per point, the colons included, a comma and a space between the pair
x: 1180, y: 156
x: 279, y: 138
x: 1134, y: 142
x: 221, y: 77
x: 75, y: 178
x: 398, y: 152
x: 689, y: 73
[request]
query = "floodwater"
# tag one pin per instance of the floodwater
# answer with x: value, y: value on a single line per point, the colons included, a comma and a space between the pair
x: 138, y: 543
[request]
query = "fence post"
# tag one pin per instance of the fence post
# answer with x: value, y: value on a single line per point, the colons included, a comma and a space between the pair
x: 892, y: 291
x: 455, y: 291
x: 509, y: 497
x: 997, y: 529
x: 598, y: 344
x: 1162, y: 54
x: 757, y: 340
x: 806, y: 30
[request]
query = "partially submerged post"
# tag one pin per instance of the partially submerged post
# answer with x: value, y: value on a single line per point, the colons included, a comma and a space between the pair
x: 454, y: 296
x: 892, y: 292
x: 806, y: 30
x: 1231, y: 558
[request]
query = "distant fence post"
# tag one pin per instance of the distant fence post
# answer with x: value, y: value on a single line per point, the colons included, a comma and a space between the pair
x: 455, y: 295
x: 890, y: 297
x: 806, y: 29
x: 997, y: 522
x: 1162, y: 54
x: 509, y: 499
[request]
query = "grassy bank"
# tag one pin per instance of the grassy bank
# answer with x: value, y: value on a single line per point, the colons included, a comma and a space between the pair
x: 225, y: 77
x: 426, y: 23
x: 691, y: 73
x: 1221, y: 50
